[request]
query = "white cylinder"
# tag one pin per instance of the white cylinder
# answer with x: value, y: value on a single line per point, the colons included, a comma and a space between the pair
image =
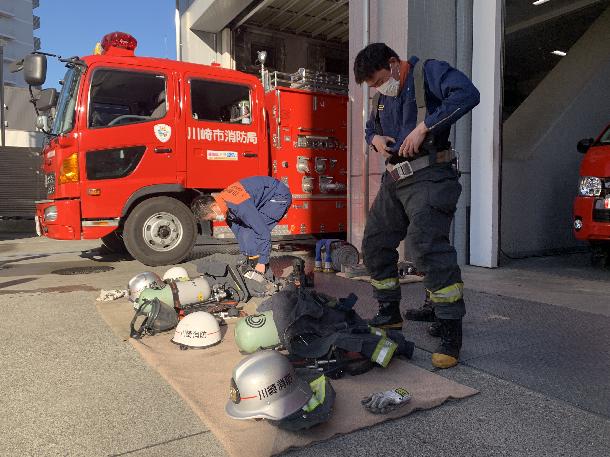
x: 193, y: 291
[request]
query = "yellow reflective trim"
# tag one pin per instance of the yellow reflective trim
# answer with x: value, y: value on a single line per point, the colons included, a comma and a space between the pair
x: 378, y: 331
x: 384, y: 351
x: 386, y: 284
x: 449, y: 294
x: 318, y: 387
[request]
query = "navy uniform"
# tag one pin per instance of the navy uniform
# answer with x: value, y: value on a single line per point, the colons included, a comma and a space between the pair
x: 253, y: 206
x: 420, y: 208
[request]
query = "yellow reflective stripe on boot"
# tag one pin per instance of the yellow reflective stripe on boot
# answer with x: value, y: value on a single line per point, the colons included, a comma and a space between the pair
x: 449, y: 294
x: 318, y: 387
x: 378, y: 331
x: 384, y: 351
x: 385, y: 284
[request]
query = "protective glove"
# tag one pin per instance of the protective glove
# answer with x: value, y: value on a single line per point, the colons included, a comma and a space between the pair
x: 384, y: 402
x: 255, y: 276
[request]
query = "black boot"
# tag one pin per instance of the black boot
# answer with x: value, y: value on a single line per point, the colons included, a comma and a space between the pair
x: 435, y: 329
x: 425, y: 313
x: 388, y: 316
x: 448, y: 352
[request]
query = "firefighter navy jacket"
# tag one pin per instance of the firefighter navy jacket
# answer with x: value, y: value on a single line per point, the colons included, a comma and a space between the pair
x: 449, y: 96
x: 253, y: 206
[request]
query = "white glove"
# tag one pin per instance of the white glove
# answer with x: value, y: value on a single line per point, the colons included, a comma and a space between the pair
x: 255, y: 276
x: 384, y: 402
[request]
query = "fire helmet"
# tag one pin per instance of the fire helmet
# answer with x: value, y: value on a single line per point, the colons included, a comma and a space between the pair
x: 143, y: 281
x: 176, y: 274
x: 255, y: 332
x: 197, y: 330
x: 265, y: 386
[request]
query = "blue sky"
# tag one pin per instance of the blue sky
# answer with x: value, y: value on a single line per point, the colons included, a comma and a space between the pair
x: 73, y: 27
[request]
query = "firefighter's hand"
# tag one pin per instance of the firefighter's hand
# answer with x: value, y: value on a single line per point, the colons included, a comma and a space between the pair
x: 381, y: 143
x: 260, y: 267
x: 410, y: 146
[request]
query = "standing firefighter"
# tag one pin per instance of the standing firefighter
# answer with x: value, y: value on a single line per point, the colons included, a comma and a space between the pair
x: 415, y: 105
x: 251, y: 207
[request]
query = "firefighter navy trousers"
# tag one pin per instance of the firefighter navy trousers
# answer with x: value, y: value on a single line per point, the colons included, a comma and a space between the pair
x: 418, y: 209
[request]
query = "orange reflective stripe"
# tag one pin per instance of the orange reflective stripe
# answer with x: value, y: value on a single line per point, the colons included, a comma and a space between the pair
x: 234, y: 194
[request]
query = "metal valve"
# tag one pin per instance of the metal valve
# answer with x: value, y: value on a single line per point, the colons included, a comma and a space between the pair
x: 307, y: 184
x: 303, y: 164
x: 321, y: 164
x: 327, y: 185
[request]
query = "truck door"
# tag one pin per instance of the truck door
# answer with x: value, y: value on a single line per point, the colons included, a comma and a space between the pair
x: 224, y: 132
x: 128, y: 141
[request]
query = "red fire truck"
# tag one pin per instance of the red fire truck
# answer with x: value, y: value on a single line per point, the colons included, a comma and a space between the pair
x: 134, y: 140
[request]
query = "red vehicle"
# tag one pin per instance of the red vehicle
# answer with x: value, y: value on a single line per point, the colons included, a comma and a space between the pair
x: 592, y: 205
x: 134, y: 140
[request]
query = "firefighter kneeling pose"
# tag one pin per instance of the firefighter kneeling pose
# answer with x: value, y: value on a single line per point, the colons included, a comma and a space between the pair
x: 415, y: 106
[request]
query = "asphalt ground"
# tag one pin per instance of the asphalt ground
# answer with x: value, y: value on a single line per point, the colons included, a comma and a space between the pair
x: 535, y: 345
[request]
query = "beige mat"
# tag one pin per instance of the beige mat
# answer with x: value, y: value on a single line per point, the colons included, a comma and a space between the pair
x: 404, y: 280
x: 202, y: 378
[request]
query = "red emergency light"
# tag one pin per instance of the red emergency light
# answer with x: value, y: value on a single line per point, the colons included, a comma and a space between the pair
x: 118, y: 43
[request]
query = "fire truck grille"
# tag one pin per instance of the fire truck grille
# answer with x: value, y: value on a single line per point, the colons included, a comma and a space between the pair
x: 601, y: 215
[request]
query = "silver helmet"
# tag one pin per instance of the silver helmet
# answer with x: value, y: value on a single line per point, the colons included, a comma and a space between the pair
x: 143, y: 281
x: 264, y: 386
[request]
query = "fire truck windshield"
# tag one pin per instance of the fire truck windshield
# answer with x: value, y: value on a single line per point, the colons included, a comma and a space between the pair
x: 66, y: 105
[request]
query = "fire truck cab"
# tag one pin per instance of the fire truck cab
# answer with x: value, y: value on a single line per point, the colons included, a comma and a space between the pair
x: 134, y: 140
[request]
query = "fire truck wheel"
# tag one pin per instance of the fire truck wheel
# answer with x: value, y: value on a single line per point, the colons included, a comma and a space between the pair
x: 114, y: 243
x: 160, y: 231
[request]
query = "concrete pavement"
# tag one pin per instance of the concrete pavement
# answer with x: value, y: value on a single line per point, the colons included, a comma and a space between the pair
x: 72, y: 387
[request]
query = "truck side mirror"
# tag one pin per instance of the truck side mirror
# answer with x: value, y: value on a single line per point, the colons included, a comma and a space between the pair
x: 584, y: 145
x: 47, y: 99
x: 35, y: 69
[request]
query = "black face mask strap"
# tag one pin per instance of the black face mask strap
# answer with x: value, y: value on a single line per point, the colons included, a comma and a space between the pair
x: 145, y: 327
x: 137, y: 334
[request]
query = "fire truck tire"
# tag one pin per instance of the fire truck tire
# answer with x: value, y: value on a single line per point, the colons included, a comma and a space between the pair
x: 160, y: 231
x: 114, y: 243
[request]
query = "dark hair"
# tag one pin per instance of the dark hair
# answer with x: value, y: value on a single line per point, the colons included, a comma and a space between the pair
x: 202, y: 206
x: 371, y: 59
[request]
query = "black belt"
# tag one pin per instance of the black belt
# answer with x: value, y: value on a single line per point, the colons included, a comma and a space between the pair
x: 405, y: 169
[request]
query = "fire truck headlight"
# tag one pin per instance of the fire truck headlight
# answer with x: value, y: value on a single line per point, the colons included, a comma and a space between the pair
x: 590, y: 186
x: 577, y: 224
x: 50, y: 213
x: 68, y: 171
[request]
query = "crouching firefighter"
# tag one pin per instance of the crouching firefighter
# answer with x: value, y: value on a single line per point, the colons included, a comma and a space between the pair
x: 412, y: 113
x: 251, y: 208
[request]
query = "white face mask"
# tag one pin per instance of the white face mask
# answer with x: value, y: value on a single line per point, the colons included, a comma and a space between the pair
x: 218, y: 217
x: 390, y: 87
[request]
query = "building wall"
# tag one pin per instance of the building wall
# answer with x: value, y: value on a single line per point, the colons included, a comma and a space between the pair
x: 17, y: 25
x: 20, y: 119
x: 291, y: 52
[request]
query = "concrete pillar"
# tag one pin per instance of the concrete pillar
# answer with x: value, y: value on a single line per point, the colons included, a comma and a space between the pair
x: 197, y: 46
x: 485, y: 153
x: 540, y: 163
x: 204, y: 38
